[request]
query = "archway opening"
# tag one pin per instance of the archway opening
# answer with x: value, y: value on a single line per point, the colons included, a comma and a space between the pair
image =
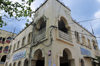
x: 3, y: 59
x: 26, y: 62
x: 39, y: 59
x: 65, y: 59
x: 19, y: 63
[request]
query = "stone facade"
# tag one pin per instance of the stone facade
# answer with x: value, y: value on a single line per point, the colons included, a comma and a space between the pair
x: 5, y: 39
x: 53, y: 39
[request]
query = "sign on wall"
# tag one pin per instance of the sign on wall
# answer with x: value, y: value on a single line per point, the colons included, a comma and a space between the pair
x: 19, y: 55
x: 85, y: 52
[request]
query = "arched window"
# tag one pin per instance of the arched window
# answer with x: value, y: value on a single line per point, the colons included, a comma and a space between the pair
x: 6, y: 49
x: 19, y: 63
x: 94, y: 45
x: 83, y: 40
x: 82, y: 62
x: 3, y: 59
x: 23, y: 41
x: 0, y: 39
x: 14, y: 64
x: 89, y: 44
x: 10, y: 48
x: 77, y: 36
x: 18, y: 44
x: 41, y: 24
x: 8, y: 40
x: 10, y: 64
x: 1, y: 49
x: 29, y: 38
x: 62, y: 27
x: 26, y: 62
x: 14, y: 47
x: 3, y: 40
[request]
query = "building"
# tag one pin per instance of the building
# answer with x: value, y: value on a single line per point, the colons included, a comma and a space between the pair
x: 5, y: 39
x: 53, y: 39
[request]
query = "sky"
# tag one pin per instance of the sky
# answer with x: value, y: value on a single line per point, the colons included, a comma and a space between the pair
x: 80, y: 10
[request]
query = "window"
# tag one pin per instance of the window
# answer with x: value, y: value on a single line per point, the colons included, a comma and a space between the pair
x: 94, y: 45
x: 1, y: 49
x: 3, y: 40
x: 19, y: 63
x: 62, y: 27
x: 29, y: 38
x: 23, y: 41
x: 8, y: 40
x: 82, y: 62
x: 10, y: 48
x: 14, y: 64
x: 14, y: 46
x: 77, y: 36
x: 6, y: 49
x: 18, y: 44
x: 0, y: 39
x: 83, y: 40
x: 26, y: 62
x: 41, y: 24
x: 89, y: 45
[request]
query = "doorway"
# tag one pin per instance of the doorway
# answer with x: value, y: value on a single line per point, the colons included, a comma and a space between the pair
x: 64, y: 60
x: 39, y: 59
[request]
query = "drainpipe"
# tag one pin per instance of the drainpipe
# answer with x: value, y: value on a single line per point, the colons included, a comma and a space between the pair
x: 30, y: 58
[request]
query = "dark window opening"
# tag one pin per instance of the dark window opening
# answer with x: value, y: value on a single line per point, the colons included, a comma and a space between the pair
x: 29, y: 37
x: 77, y: 36
x: 26, y: 62
x: 3, y: 59
x: 3, y: 40
x: 23, y: 41
x: 1, y: 49
x: 62, y: 27
x: 0, y: 39
x: 82, y: 62
x: 6, y: 49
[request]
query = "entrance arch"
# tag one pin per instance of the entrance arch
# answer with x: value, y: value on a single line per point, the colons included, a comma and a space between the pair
x: 3, y: 59
x: 65, y: 59
x: 26, y: 62
x: 19, y: 63
x: 38, y: 58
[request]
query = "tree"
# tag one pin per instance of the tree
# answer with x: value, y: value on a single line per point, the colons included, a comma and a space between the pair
x: 16, y: 10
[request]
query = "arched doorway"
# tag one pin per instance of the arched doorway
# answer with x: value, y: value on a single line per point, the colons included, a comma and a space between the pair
x: 65, y: 59
x: 19, y: 63
x: 14, y: 64
x: 10, y: 64
x: 26, y: 62
x: 38, y: 57
x: 3, y: 59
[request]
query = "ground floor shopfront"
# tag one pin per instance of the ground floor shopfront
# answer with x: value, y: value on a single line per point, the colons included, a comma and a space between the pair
x: 43, y: 56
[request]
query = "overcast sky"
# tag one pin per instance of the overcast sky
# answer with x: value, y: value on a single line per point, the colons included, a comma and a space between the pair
x: 80, y: 10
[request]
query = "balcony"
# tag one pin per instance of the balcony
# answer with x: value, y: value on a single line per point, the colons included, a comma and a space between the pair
x: 64, y: 36
x: 40, y: 35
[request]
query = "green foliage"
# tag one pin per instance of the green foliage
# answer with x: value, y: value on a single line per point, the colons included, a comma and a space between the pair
x: 16, y: 9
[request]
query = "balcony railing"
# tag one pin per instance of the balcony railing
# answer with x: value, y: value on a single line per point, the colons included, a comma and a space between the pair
x: 65, y: 36
x: 40, y: 35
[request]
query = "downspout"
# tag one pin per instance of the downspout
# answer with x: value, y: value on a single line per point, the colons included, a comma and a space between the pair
x: 30, y: 58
